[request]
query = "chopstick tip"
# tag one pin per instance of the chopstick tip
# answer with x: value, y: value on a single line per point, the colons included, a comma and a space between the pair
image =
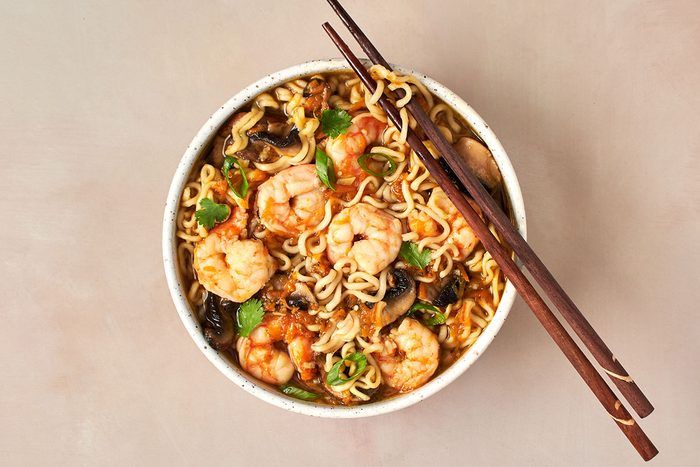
x: 331, y: 32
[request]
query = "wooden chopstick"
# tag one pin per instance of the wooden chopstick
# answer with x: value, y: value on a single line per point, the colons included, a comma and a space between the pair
x: 583, y: 366
x: 590, y: 338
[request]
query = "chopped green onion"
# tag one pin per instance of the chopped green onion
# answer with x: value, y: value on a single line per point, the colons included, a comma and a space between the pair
x: 437, y: 318
x: 418, y: 306
x: 334, y: 379
x: 229, y: 164
x: 362, y: 161
x: 324, y: 169
x: 299, y: 393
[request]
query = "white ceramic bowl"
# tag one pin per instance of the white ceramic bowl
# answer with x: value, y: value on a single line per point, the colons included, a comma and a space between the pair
x: 178, y: 289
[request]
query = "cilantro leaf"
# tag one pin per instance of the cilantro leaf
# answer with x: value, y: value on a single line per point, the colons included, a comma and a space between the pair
x: 299, y: 393
x: 335, y: 122
x: 437, y: 318
x: 324, y: 169
x: 249, y: 315
x: 409, y: 252
x: 211, y: 213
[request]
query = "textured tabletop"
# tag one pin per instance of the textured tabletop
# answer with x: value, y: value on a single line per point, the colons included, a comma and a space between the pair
x: 597, y: 104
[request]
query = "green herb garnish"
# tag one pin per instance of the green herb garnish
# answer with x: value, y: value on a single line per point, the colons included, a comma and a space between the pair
x: 419, y: 306
x: 299, y: 393
x: 362, y: 161
x: 437, y: 318
x: 335, y: 122
x: 211, y: 213
x: 249, y: 315
x: 229, y: 164
x: 324, y: 169
x: 333, y: 377
x: 412, y: 255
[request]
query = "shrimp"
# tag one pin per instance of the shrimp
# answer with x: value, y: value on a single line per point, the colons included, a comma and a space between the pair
x: 461, y: 235
x: 258, y: 355
x: 409, y: 356
x: 302, y: 356
x: 229, y: 266
x: 422, y: 224
x: 348, y: 147
x: 365, y: 234
x: 292, y: 201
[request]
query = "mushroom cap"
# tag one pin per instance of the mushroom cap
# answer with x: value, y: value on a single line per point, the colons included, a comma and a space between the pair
x: 480, y: 161
x: 399, y: 297
x: 444, y: 291
x: 301, y: 297
x: 449, y: 291
x: 219, y: 329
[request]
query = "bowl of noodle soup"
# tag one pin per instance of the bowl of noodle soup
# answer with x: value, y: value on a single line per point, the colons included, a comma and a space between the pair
x: 315, y: 262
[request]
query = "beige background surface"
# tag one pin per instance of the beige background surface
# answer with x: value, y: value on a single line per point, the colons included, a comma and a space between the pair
x: 597, y: 104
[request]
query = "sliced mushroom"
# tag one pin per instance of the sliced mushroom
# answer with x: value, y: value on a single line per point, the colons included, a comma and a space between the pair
x: 278, y: 281
x: 257, y: 152
x: 219, y: 330
x: 480, y: 161
x: 274, y: 138
x: 270, y: 138
x: 302, y: 297
x: 399, y: 297
x: 275, y: 123
x: 279, y: 142
x: 450, y: 291
x: 275, y: 291
x: 443, y: 292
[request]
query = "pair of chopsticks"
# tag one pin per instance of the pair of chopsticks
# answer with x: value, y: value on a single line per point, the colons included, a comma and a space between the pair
x: 600, y: 351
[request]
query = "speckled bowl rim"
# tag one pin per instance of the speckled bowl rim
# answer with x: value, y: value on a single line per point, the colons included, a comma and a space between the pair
x: 188, y: 316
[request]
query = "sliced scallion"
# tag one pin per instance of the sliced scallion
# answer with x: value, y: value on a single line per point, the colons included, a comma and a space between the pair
x: 334, y: 379
x: 362, y: 161
x: 229, y: 164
